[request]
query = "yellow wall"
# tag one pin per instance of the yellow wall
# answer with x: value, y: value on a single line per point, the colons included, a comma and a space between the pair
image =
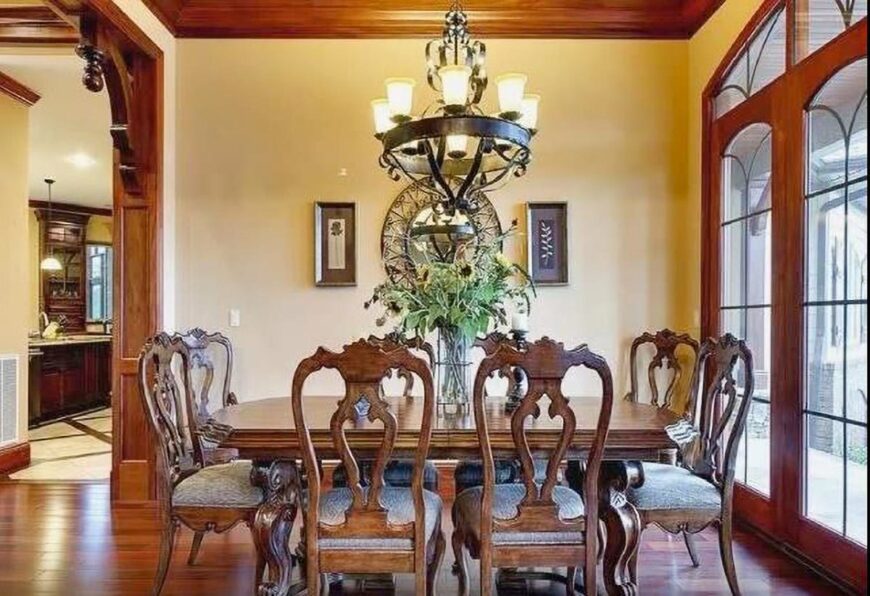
x: 264, y: 127
x: 14, y: 270
x: 706, y: 51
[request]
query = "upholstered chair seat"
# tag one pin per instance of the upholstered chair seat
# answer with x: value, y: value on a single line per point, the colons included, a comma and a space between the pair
x: 222, y: 485
x: 668, y: 487
x: 505, y: 501
x: 399, y: 503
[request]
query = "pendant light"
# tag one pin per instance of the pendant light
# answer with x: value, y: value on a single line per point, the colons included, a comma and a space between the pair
x: 50, y: 263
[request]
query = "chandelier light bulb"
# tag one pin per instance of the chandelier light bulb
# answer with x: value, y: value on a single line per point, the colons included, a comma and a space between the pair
x: 511, y: 89
x: 529, y: 119
x: 457, y: 146
x: 454, y: 84
x: 381, y: 112
x: 400, y: 95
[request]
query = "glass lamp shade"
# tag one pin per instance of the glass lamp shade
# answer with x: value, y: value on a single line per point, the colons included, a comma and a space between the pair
x: 381, y: 112
x: 529, y: 119
x: 511, y: 89
x: 454, y: 84
x: 50, y: 264
x: 457, y: 146
x: 400, y: 96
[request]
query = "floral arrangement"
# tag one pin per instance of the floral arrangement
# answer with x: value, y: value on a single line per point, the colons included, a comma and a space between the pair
x: 466, y: 294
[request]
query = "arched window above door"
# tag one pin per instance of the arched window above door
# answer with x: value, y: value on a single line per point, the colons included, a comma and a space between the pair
x: 760, y: 62
x: 817, y: 22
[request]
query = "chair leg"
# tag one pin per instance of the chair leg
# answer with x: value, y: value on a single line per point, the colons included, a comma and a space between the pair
x: 692, y: 548
x: 167, y: 543
x: 259, y: 570
x: 485, y: 570
x: 725, y: 548
x: 571, y: 580
x: 632, y: 568
x: 459, y: 566
x: 194, y: 548
x: 312, y: 579
x: 435, y: 565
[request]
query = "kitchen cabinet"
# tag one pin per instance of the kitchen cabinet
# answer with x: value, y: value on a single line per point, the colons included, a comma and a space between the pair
x: 72, y: 376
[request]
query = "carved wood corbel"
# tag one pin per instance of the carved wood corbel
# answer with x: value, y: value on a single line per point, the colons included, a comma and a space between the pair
x: 106, y: 68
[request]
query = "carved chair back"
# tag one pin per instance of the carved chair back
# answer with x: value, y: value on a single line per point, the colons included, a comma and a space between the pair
x: 490, y: 345
x: 164, y: 383
x: 722, y: 410
x: 665, y: 358
x: 207, y: 351
x: 545, y: 363
x: 393, y: 341
x: 363, y: 366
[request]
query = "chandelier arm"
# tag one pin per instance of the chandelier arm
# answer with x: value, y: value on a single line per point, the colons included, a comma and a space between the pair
x: 437, y: 176
x: 472, y: 172
x: 393, y: 164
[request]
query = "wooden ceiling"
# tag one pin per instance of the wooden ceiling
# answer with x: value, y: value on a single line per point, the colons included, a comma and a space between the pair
x: 34, y: 22
x: 648, y: 19
x: 54, y: 21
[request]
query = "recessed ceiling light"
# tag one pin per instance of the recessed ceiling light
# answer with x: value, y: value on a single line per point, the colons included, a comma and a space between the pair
x: 81, y: 160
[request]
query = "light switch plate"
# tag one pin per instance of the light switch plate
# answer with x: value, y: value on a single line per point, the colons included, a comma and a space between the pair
x: 235, y: 317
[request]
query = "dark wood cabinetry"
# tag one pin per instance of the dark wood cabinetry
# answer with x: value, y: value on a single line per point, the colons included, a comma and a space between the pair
x: 62, y: 293
x: 71, y: 377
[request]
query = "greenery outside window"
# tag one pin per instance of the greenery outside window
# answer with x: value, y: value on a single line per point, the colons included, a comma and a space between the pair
x: 99, y: 282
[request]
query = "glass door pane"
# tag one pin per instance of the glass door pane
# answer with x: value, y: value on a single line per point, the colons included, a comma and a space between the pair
x: 746, y: 236
x: 835, y: 306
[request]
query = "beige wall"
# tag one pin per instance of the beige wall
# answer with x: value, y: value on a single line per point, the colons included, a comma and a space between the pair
x: 706, y: 51
x: 264, y: 128
x: 14, y: 270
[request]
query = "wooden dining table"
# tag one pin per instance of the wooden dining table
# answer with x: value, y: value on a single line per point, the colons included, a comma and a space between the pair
x: 264, y: 432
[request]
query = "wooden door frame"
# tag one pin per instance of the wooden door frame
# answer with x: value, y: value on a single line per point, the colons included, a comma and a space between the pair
x: 780, y: 517
x: 120, y: 58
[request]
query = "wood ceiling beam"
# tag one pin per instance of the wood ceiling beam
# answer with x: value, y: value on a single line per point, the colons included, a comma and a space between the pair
x: 35, y: 25
x: 18, y: 91
x: 652, y: 19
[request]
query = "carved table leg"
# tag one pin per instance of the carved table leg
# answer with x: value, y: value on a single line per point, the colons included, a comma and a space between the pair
x: 274, y: 521
x: 622, y: 522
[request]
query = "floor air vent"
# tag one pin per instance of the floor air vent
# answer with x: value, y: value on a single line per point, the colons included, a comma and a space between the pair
x: 8, y: 399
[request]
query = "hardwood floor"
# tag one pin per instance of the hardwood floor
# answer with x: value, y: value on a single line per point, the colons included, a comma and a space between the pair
x: 66, y: 539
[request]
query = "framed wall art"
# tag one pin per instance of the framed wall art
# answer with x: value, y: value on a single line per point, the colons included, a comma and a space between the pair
x: 547, y: 233
x: 334, y: 244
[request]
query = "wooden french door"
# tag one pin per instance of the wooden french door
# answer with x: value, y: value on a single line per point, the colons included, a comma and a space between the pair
x: 784, y: 266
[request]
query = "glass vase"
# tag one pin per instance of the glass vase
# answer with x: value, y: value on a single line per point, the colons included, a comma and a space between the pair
x: 452, y: 369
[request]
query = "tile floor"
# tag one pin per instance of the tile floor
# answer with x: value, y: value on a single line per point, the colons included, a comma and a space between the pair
x: 77, y: 448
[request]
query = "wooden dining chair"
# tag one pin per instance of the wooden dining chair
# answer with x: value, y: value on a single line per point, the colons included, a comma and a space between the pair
x: 398, y: 472
x: 210, y: 359
x: 202, y: 498
x: 469, y: 474
x: 534, y: 524
x: 665, y: 358
x: 675, y: 355
x: 375, y: 528
x: 699, y: 491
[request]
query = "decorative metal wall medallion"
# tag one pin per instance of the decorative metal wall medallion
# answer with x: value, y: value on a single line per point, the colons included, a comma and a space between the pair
x: 417, y: 208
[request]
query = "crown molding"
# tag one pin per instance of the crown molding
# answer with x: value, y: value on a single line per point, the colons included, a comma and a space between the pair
x: 623, y: 19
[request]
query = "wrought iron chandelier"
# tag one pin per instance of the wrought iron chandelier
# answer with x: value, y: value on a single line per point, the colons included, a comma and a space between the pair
x: 453, y: 142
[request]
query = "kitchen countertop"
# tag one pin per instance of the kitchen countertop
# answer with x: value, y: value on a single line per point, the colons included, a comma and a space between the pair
x: 70, y: 340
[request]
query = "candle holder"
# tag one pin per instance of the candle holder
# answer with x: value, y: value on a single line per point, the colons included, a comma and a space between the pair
x: 515, y: 396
